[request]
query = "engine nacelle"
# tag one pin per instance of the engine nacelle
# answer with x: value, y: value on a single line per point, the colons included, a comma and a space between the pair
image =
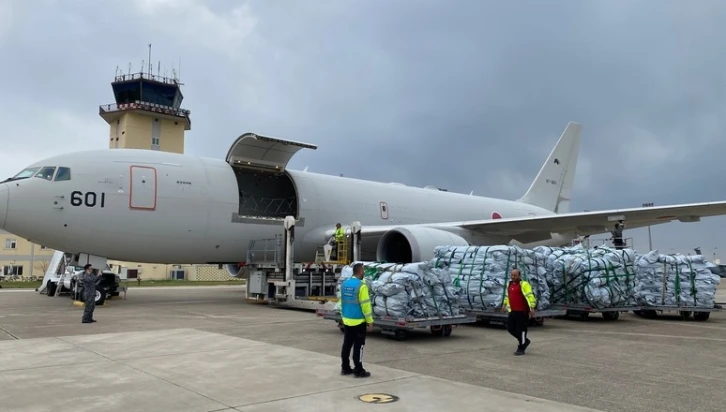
x: 414, y: 244
x: 236, y: 271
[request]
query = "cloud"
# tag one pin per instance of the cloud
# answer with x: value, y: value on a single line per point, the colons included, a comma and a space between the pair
x: 6, y: 18
x: 471, y: 97
x: 224, y: 32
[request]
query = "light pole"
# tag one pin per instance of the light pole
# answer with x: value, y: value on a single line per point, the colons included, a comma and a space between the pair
x: 650, y: 238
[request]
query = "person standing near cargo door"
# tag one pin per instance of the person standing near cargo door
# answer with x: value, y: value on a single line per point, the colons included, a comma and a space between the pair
x: 357, y: 317
x: 89, y: 281
x: 519, y: 300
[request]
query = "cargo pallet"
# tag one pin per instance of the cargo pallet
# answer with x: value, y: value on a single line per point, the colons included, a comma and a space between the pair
x: 398, y: 328
x: 685, y: 312
x: 497, y: 317
x: 583, y: 311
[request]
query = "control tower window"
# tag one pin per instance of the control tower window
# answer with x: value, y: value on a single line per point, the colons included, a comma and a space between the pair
x: 64, y: 173
x: 46, y: 172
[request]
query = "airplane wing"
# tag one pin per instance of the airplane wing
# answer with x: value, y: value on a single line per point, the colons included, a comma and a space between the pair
x: 529, y: 229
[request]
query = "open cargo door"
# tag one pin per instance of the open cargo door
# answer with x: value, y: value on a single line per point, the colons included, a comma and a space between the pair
x: 267, y: 153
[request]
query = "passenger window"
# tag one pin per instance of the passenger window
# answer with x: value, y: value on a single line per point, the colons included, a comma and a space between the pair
x: 46, y: 172
x: 64, y: 173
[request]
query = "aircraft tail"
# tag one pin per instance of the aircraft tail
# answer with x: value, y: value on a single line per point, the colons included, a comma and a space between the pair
x: 552, y: 188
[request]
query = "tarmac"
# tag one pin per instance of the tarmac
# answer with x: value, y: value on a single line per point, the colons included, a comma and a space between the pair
x: 207, y: 349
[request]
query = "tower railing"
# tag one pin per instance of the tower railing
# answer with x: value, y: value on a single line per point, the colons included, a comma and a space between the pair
x: 147, y: 76
x: 139, y: 105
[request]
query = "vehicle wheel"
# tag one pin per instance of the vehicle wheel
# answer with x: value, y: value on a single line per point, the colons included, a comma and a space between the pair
x: 437, y: 330
x: 50, y: 288
x: 701, y: 316
x: 685, y: 314
x: 100, y: 296
x: 400, y: 334
x: 650, y: 314
x: 611, y: 315
x: 539, y: 321
x: 447, y: 330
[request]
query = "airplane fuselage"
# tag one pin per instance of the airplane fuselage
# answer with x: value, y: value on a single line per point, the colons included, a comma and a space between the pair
x: 150, y: 206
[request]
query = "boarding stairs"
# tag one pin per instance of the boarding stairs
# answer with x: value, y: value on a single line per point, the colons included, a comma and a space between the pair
x: 57, y: 266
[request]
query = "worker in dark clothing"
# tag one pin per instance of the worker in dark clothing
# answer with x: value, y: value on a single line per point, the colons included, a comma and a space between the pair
x: 357, y: 315
x: 520, y: 302
x: 618, y: 235
x: 89, y: 281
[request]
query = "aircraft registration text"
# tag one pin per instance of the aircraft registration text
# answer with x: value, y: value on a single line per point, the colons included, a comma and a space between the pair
x: 89, y: 199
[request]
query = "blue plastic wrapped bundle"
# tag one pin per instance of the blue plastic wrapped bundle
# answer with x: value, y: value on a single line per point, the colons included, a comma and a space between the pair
x: 414, y: 290
x: 483, y: 273
x: 675, y: 280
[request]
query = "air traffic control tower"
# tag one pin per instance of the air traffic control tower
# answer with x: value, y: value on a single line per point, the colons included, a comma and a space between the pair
x: 147, y: 113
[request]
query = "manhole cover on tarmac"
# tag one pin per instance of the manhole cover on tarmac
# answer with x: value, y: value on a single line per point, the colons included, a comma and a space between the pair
x: 378, y: 398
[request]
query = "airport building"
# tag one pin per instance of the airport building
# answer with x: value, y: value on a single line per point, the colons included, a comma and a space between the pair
x: 21, y: 259
x: 146, y: 114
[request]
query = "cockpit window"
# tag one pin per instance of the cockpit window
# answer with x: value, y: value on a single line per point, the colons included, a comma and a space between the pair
x: 46, y: 172
x: 26, y: 173
x: 64, y: 173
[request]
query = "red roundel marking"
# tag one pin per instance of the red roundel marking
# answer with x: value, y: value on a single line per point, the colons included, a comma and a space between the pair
x: 496, y: 215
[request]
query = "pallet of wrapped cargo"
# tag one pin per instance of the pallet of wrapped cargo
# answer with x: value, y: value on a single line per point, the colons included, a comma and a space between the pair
x: 405, y: 297
x: 482, y: 272
x: 679, y: 283
x: 597, y: 280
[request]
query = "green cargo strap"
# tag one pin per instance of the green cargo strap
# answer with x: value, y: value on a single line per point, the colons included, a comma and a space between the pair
x: 678, y: 285
x: 693, y: 283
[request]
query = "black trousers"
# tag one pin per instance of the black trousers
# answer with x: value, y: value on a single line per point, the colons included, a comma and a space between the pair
x: 517, y: 326
x: 355, y: 339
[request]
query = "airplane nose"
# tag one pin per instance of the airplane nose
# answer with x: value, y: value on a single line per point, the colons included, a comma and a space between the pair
x: 3, y: 205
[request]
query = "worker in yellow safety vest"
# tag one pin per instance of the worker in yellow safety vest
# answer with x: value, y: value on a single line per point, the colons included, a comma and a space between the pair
x: 520, y: 302
x: 339, y: 232
x: 357, y: 317
x: 338, y: 236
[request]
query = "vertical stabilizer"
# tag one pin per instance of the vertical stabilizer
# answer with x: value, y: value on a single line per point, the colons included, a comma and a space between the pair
x: 552, y: 188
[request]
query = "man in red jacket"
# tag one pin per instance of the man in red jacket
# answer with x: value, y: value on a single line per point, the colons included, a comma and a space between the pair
x: 519, y: 300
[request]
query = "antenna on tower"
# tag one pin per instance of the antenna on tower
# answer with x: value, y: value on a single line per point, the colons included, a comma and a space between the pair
x: 150, y: 66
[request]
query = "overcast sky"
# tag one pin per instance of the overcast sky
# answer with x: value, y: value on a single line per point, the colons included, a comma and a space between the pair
x: 466, y: 95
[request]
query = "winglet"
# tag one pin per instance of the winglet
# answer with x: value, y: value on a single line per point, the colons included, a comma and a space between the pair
x: 552, y: 188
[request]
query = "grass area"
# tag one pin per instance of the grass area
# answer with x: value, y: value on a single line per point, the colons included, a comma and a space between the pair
x: 20, y: 285
x: 132, y: 283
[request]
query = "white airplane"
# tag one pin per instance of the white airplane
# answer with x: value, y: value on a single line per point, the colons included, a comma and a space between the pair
x: 157, y: 207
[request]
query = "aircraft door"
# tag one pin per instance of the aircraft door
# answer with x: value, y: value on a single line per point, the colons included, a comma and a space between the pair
x: 142, y: 194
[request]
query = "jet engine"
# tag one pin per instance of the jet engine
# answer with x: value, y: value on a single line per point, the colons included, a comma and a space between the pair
x: 236, y: 271
x: 414, y: 244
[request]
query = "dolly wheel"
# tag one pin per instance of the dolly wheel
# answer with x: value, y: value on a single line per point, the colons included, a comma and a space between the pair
x: 447, y: 330
x: 701, y: 316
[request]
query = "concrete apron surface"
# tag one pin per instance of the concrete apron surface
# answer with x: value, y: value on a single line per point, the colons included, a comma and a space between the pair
x: 189, y: 370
